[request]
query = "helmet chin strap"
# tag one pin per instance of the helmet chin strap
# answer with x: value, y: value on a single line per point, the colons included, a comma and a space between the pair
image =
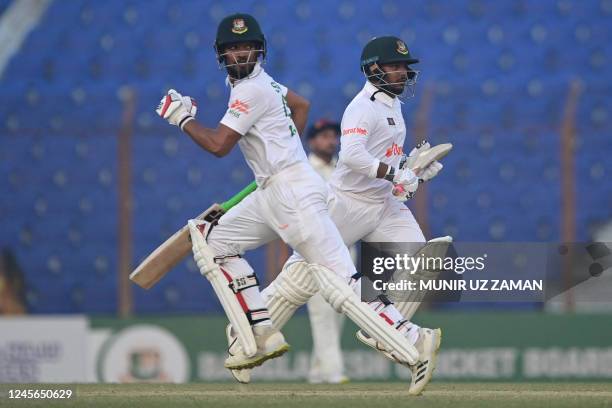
x: 377, y: 78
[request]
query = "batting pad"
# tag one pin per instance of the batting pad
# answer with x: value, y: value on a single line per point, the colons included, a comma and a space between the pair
x: 435, y: 248
x: 342, y: 298
x: 204, y: 258
x: 292, y: 288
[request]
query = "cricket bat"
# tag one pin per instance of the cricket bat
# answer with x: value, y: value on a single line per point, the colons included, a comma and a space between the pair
x: 430, y: 155
x: 423, y: 160
x: 178, y: 246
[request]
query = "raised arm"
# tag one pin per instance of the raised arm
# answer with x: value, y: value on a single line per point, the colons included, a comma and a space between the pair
x: 180, y: 111
x: 299, y: 110
x: 219, y: 141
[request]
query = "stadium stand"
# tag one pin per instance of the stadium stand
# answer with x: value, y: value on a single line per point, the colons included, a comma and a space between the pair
x: 500, y: 74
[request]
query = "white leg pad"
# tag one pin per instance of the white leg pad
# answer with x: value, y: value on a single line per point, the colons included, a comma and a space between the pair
x: 292, y: 288
x: 342, y: 298
x: 407, y: 309
x: 204, y: 258
x: 435, y: 248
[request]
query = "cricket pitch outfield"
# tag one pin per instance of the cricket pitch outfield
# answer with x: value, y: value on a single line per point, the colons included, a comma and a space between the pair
x: 289, y: 395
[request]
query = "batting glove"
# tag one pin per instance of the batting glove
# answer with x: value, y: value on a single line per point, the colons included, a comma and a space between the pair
x: 401, y: 194
x: 428, y: 172
x: 405, y: 182
x: 177, y: 109
x: 408, y: 162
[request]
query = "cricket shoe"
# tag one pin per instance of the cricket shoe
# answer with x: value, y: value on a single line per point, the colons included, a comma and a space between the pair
x: 427, y: 345
x: 242, y: 376
x: 270, y: 344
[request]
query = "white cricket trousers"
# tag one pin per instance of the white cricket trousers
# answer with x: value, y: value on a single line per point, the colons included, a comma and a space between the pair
x: 291, y: 205
x: 358, y: 218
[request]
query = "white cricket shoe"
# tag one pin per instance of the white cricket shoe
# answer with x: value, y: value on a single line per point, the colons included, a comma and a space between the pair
x: 270, y: 344
x: 427, y: 345
x: 242, y: 376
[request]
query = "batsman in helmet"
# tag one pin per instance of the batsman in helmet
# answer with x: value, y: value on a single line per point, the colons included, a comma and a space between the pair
x: 265, y: 120
x: 372, y: 180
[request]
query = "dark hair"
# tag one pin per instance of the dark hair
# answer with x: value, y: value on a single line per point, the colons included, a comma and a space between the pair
x: 321, y: 125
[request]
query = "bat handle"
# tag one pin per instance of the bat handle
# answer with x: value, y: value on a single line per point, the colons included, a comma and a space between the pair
x: 238, y: 197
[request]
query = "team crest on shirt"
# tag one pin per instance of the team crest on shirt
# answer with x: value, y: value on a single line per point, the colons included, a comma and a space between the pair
x: 401, y: 47
x: 239, y: 26
x: 390, y: 121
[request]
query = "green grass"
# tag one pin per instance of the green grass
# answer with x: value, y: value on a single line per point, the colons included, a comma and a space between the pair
x: 371, y: 395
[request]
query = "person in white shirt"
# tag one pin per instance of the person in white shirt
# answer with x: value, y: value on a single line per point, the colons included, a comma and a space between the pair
x: 362, y: 202
x: 326, y: 362
x: 323, y: 139
x: 265, y: 119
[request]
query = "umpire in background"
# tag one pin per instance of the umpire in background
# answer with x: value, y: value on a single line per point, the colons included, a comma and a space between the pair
x: 326, y: 363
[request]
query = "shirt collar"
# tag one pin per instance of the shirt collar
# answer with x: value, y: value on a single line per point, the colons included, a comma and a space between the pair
x: 379, y: 95
x: 256, y: 71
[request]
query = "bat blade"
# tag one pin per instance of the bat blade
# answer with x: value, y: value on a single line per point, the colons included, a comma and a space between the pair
x: 170, y: 253
x: 437, y: 152
x: 178, y: 246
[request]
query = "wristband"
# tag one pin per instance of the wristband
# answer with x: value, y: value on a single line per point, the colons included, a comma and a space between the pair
x: 185, y: 120
x: 390, y: 174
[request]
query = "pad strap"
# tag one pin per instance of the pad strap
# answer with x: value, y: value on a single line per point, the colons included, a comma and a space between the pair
x: 384, y: 299
x: 357, y: 276
x: 220, y: 260
x: 257, y: 315
x: 237, y: 285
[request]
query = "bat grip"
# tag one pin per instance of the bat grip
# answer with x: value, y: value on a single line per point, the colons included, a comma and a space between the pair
x: 238, y: 197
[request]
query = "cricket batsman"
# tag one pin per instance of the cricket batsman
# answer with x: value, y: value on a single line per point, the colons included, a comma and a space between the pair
x: 362, y: 201
x: 265, y: 119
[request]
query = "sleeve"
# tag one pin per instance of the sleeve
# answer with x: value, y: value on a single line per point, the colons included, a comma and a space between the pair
x: 356, y: 128
x: 246, y: 106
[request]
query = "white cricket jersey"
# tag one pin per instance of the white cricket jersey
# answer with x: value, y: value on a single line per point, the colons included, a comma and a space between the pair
x: 373, y: 131
x: 322, y: 167
x: 258, y: 110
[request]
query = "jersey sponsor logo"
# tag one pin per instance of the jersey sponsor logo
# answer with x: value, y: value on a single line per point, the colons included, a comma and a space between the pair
x: 240, y: 106
x: 239, y: 26
x: 234, y: 113
x: 390, y: 121
x: 394, y: 150
x: 354, y: 131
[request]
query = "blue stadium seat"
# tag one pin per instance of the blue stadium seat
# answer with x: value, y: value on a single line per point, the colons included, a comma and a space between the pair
x: 500, y: 70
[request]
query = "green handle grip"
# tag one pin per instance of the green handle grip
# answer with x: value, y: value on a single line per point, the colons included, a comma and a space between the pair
x: 238, y: 197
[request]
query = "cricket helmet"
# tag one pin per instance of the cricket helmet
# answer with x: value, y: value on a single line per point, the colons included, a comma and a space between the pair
x: 387, y: 50
x: 237, y: 28
x: 384, y: 50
